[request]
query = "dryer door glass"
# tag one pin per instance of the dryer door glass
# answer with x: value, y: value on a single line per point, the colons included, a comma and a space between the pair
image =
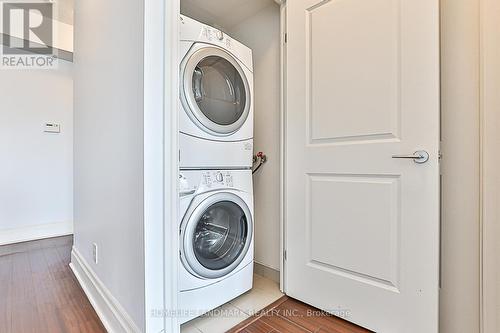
x: 219, y: 90
x: 220, y: 235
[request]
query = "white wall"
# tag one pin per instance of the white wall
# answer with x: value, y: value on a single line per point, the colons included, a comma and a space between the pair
x: 36, y: 169
x: 490, y: 161
x: 109, y: 138
x: 261, y: 33
x: 459, y: 303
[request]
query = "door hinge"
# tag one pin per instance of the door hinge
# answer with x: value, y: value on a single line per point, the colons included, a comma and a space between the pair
x: 285, y: 38
x: 284, y: 255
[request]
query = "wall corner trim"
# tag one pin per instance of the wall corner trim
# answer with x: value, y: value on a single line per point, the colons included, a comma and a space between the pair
x: 113, y: 316
x: 35, y: 232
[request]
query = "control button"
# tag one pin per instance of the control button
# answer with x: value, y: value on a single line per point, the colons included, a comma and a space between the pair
x: 219, y: 177
x: 229, y: 181
x: 207, y: 180
x: 220, y: 35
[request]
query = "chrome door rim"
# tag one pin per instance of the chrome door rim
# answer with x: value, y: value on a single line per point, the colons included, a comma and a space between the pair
x: 189, y: 223
x: 187, y: 96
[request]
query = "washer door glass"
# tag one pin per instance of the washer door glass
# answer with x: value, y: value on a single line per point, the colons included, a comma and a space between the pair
x: 219, y: 90
x: 221, y: 235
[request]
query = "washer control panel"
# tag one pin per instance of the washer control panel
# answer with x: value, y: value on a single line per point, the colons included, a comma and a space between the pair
x: 192, y: 182
x: 217, y: 179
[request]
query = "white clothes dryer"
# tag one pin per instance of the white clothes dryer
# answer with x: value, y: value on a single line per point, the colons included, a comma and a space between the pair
x: 216, y: 95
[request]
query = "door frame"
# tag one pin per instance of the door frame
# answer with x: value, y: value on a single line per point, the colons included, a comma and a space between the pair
x: 282, y: 207
x: 169, y: 29
x: 489, y: 161
x: 160, y: 145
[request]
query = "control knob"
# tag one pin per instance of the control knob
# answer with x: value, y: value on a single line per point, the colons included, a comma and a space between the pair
x: 219, y: 177
x: 219, y: 34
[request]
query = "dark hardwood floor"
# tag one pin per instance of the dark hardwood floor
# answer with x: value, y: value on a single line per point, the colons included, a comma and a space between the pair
x: 287, y: 315
x: 39, y: 293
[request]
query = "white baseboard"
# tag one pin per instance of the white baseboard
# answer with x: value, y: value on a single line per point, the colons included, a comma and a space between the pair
x: 113, y: 316
x: 35, y: 232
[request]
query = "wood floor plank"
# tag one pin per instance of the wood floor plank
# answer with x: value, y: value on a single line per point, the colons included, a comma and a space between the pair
x: 258, y: 327
x: 314, y: 319
x: 49, y: 316
x: 40, y: 293
x: 24, y: 311
x: 288, y: 316
x: 298, y: 315
x: 6, y: 294
x: 59, y: 273
x: 283, y: 325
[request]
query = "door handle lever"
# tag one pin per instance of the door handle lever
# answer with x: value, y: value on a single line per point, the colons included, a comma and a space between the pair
x: 420, y: 156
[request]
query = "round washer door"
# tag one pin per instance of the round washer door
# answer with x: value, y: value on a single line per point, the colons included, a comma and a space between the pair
x: 216, y: 235
x: 215, y: 91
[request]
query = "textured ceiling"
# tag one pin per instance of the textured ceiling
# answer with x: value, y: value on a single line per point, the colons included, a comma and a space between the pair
x: 223, y: 14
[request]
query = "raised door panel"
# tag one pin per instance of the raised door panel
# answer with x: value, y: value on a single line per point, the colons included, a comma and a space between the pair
x: 353, y: 227
x: 353, y: 64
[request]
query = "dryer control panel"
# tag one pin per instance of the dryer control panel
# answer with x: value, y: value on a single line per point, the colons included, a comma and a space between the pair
x: 214, y: 35
x: 194, y: 31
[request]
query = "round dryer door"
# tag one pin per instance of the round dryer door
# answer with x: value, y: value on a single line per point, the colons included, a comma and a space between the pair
x: 216, y: 235
x: 215, y: 91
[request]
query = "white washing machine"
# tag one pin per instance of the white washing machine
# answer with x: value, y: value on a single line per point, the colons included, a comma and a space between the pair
x: 216, y: 239
x: 216, y: 93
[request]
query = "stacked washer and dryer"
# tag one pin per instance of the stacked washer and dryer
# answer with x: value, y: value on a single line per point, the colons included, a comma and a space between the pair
x: 216, y: 152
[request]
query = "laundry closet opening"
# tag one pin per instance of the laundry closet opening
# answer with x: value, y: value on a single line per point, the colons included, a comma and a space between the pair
x: 230, y: 100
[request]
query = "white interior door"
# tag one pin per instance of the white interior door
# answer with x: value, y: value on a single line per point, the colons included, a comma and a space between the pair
x: 362, y: 227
